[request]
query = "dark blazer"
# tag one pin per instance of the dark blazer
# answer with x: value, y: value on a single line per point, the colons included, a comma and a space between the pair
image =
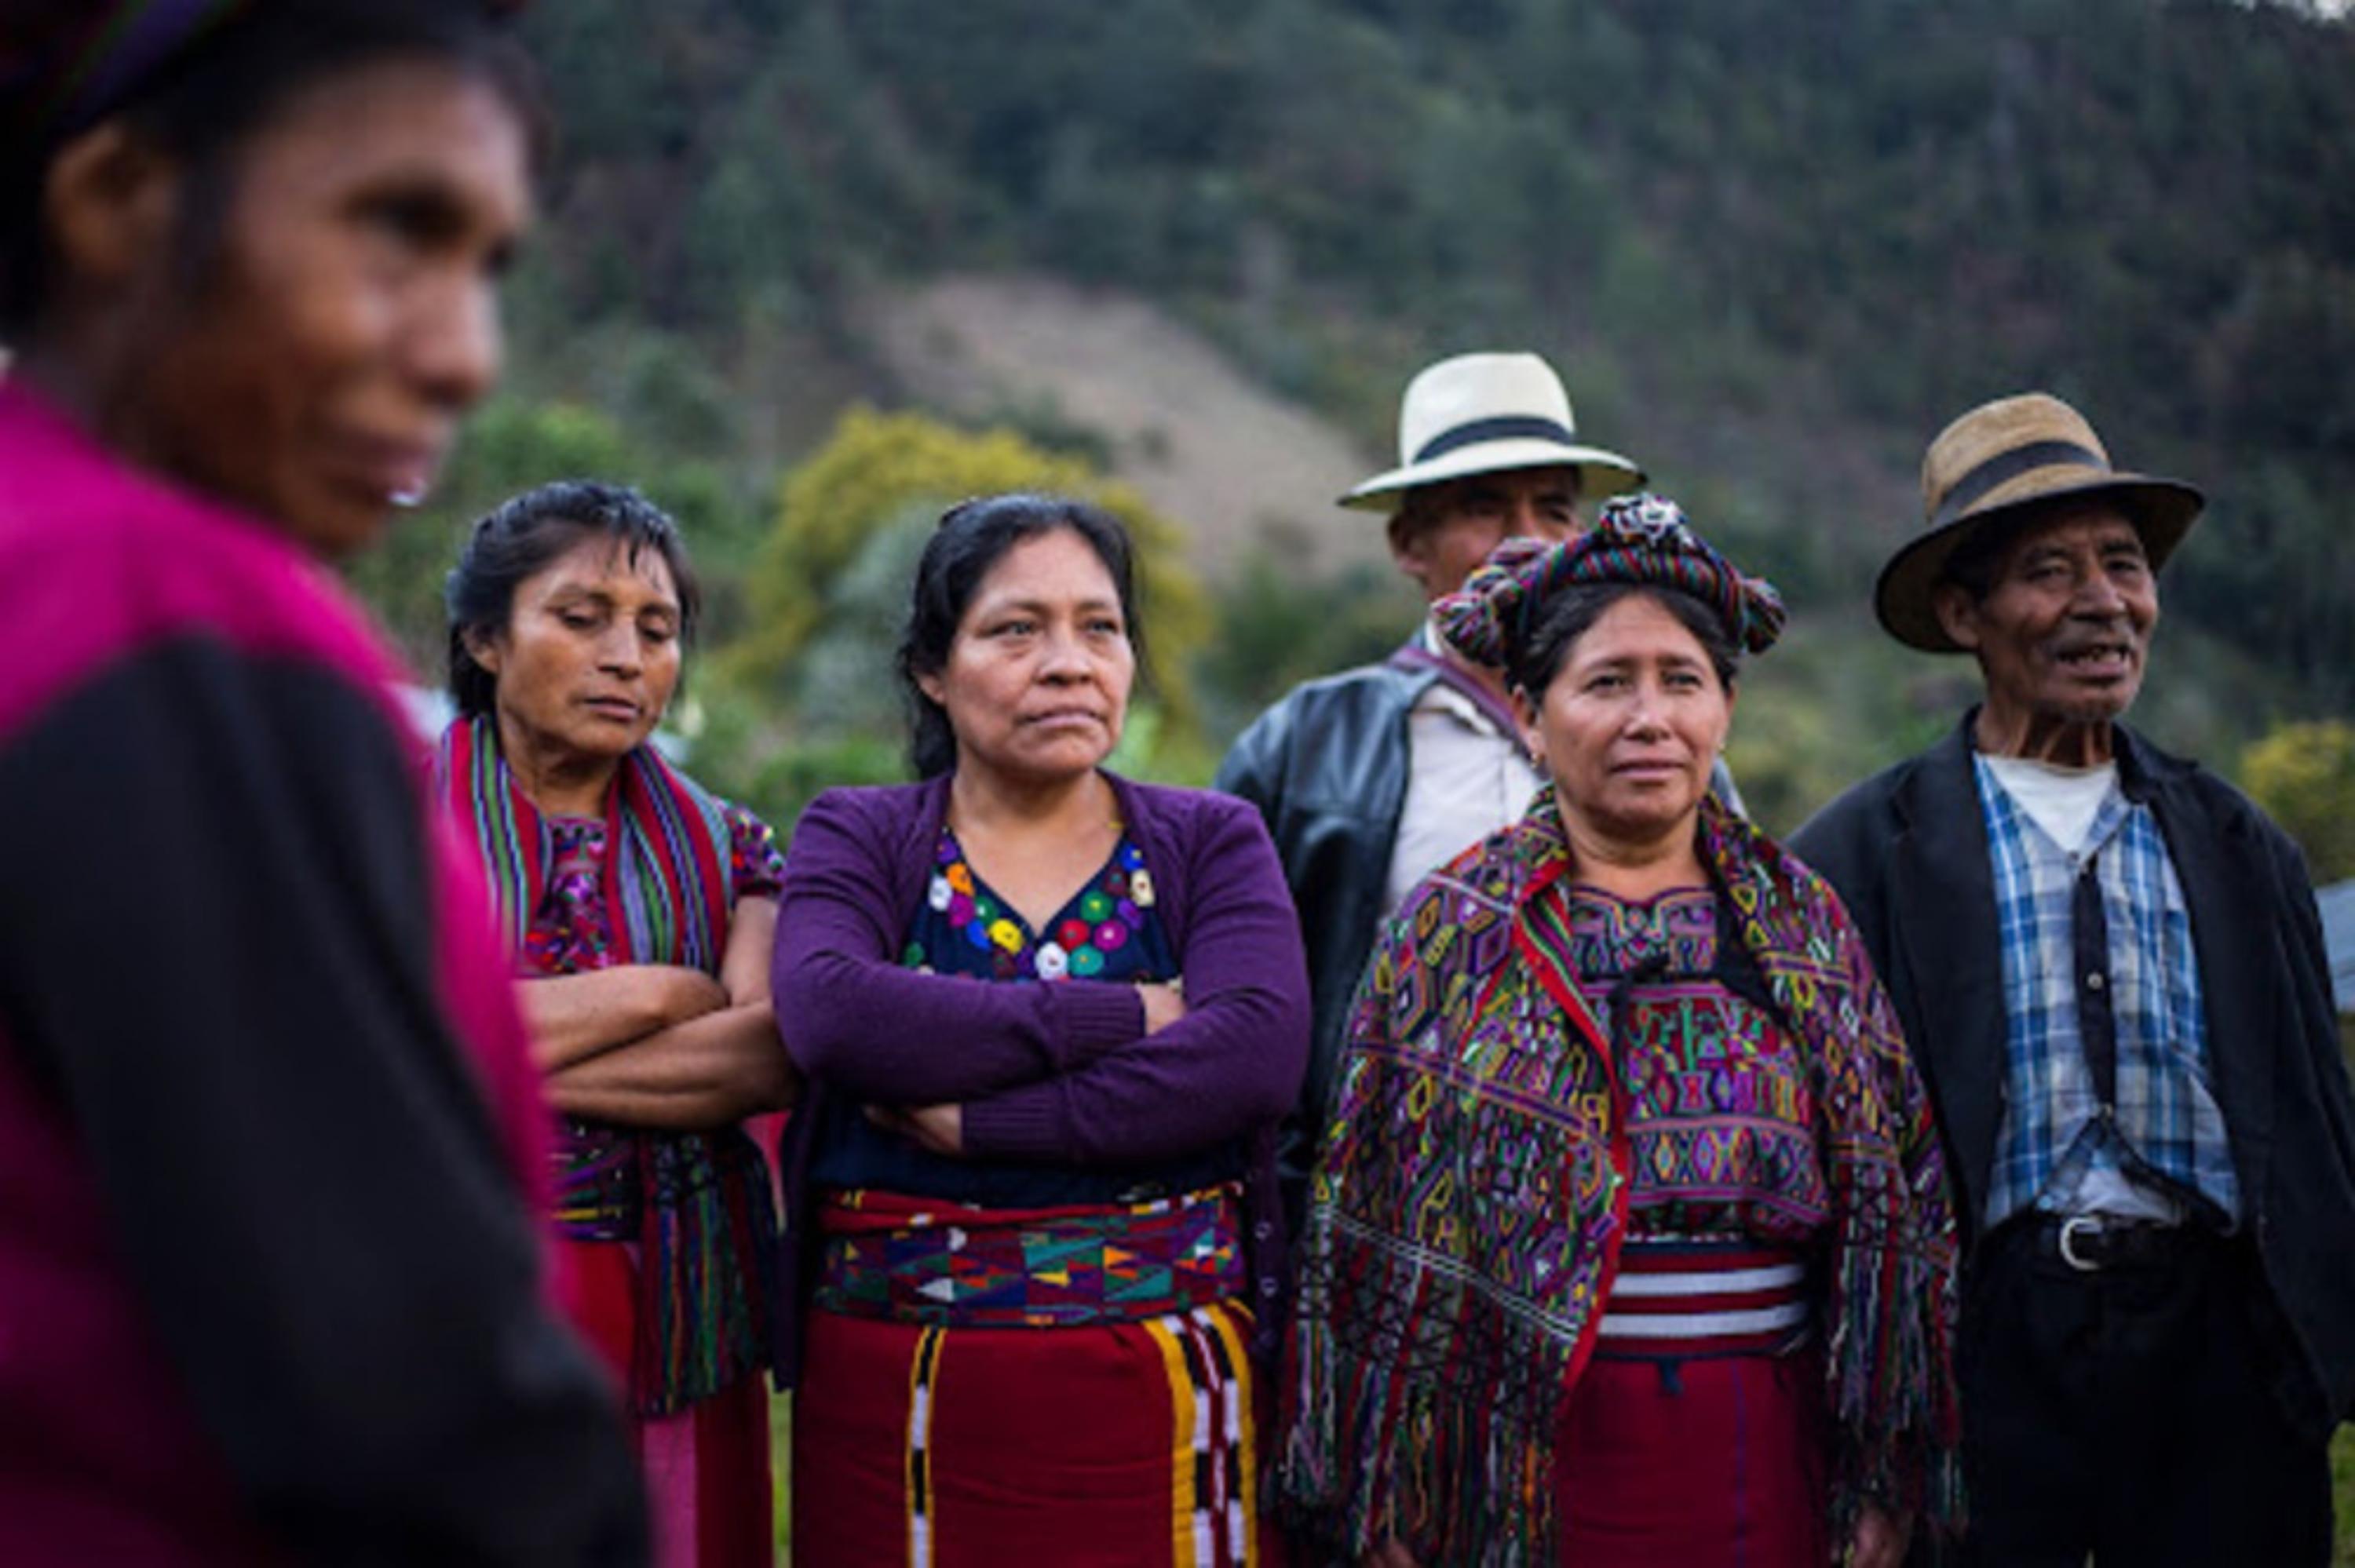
x: 1327, y: 769
x: 1907, y: 849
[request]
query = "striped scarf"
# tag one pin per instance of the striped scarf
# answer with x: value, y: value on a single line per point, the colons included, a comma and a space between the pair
x: 1465, y: 1217
x: 699, y: 1204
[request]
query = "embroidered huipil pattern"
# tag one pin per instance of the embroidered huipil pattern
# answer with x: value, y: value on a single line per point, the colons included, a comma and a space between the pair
x: 1720, y: 1118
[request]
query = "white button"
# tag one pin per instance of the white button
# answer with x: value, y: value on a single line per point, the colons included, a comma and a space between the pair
x: 2093, y: 980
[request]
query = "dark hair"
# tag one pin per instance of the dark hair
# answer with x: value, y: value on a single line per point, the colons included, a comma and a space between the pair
x: 1978, y: 555
x: 1424, y: 507
x: 1573, y: 611
x: 1419, y: 512
x: 972, y: 538
x: 206, y: 104
x: 522, y: 538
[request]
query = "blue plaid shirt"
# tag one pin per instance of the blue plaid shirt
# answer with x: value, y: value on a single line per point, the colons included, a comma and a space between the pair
x: 2169, y: 1134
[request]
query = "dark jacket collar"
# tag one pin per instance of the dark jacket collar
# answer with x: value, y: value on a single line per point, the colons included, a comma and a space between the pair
x: 1949, y: 942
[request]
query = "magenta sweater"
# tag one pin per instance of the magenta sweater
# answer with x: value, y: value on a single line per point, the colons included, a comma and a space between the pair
x: 1045, y: 1071
x: 269, y: 1142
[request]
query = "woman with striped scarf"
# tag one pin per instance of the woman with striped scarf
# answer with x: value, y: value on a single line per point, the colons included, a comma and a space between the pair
x: 639, y: 909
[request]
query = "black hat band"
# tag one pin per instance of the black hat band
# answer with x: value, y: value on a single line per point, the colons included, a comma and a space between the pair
x: 1503, y: 428
x: 2005, y: 466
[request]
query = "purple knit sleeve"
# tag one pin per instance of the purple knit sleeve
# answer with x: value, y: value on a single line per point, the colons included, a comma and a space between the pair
x: 1232, y: 1064
x: 854, y: 1019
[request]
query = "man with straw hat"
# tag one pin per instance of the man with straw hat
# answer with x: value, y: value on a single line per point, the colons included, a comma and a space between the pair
x: 2110, y: 967
x: 1371, y: 777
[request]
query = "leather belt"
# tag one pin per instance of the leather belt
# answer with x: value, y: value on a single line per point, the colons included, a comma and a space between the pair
x: 2091, y: 1243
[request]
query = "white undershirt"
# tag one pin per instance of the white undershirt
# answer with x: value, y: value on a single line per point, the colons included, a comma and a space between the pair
x: 2061, y: 801
x: 1466, y: 779
x: 2064, y: 802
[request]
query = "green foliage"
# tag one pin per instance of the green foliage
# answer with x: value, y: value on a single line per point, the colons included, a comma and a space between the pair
x: 1826, y: 708
x: 1276, y: 631
x: 854, y: 502
x: 1858, y: 218
x: 511, y: 447
x: 2304, y: 776
x: 807, y: 697
x: 2342, y: 1496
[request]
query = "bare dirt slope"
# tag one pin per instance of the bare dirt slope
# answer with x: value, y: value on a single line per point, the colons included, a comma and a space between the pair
x: 1230, y: 460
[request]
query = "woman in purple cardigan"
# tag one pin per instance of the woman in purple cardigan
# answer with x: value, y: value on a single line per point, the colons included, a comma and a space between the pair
x: 1049, y: 1019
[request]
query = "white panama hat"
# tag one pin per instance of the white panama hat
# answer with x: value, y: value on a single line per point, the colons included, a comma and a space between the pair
x: 1483, y: 413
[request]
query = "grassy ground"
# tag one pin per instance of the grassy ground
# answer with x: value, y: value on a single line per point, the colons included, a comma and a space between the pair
x: 2342, y: 1451
x: 2342, y: 1490
x: 780, y: 1448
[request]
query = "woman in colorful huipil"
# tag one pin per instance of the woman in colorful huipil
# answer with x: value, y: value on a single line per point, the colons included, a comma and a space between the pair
x: 1049, y: 1018
x: 640, y: 908
x: 1630, y: 1241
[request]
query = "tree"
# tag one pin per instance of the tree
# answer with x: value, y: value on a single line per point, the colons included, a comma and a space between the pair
x: 2304, y: 776
x: 876, y: 469
x: 511, y: 447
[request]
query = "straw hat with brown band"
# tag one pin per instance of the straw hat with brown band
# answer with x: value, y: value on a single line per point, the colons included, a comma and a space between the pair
x: 1997, y: 462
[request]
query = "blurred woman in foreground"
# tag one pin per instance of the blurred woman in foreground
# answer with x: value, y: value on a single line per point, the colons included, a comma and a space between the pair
x: 1630, y: 1243
x: 1050, y: 1018
x: 270, y: 1144
x: 641, y: 909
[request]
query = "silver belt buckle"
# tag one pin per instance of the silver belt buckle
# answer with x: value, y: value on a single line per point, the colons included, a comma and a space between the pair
x: 2071, y: 1229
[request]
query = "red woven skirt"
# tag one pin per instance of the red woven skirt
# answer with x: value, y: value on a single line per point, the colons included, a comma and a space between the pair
x: 706, y: 1467
x: 1697, y: 1433
x: 1119, y: 1445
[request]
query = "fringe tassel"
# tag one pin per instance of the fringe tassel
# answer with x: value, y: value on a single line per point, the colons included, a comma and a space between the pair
x: 1892, y: 1387
x: 706, y: 1238
x: 1449, y: 1465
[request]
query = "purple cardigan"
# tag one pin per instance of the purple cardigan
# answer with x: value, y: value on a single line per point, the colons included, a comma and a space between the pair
x: 1058, y: 1071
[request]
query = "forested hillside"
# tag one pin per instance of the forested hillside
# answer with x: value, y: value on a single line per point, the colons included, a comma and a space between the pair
x: 1775, y: 246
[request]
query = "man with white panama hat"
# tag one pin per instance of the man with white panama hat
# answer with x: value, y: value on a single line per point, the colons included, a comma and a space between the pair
x: 2110, y: 969
x: 1371, y: 777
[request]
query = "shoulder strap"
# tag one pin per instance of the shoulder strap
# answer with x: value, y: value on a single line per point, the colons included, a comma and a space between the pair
x: 1462, y: 682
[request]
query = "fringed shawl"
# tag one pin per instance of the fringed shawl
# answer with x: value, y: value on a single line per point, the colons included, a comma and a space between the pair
x: 705, y: 1220
x: 1466, y: 1218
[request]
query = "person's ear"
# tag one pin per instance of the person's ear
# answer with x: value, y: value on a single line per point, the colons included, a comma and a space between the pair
x: 1525, y: 713
x: 484, y: 650
x: 929, y: 683
x: 1957, y: 613
x: 1411, y: 551
x: 107, y: 203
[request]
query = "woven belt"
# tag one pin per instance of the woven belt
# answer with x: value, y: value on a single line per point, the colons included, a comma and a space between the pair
x: 918, y: 1261
x: 599, y: 1188
x: 1683, y: 1299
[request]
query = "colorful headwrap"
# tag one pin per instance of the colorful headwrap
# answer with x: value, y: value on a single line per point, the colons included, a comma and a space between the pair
x: 66, y: 64
x: 1641, y: 538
